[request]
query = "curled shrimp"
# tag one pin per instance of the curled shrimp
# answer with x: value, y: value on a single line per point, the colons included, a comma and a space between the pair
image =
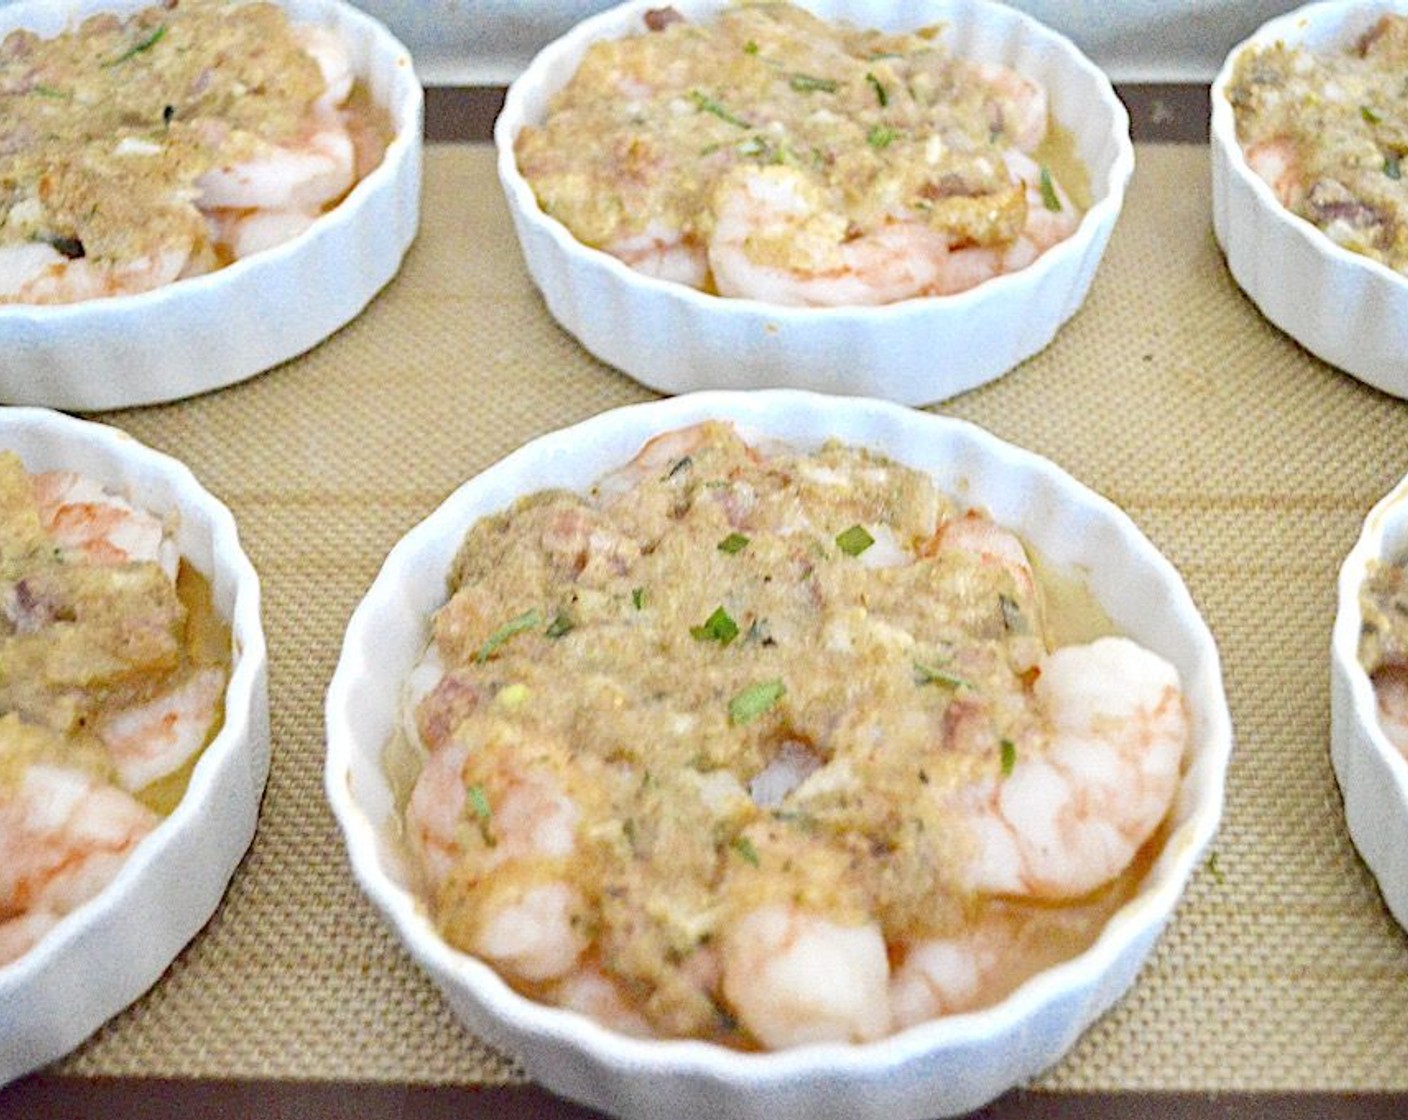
x: 64, y: 835
x: 80, y: 515
x: 1073, y: 811
x: 1019, y: 107
x: 510, y: 835
x: 36, y: 272
x: 793, y: 977
x: 663, y: 253
x: 153, y: 739
x: 775, y: 240
x: 1277, y: 164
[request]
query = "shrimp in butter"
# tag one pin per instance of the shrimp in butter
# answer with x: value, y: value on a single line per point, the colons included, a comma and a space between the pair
x: 139, y: 150
x: 772, y: 748
x: 768, y: 154
x: 109, y: 689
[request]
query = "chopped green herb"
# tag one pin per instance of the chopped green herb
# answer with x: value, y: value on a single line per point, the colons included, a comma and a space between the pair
x: 528, y: 620
x: 854, y: 540
x: 1009, y: 757
x: 733, y: 543
x: 51, y: 92
x: 1370, y: 115
x: 1391, y: 167
x: 926, y: 674
x: 560, y: 625
x: 706, y: 104
x: 750, y: 47
x: 879, y: 87
x: 880, y: 136
x: 479, y: 802
x: 145, y: 45
x: 1049, y: 198
x: 638, y: 597
x: 754, y: 700
x: 805, y: 83
x: 744, y: 847
x: 679, y: 466
x: 718, y: 627
x: 628, y: 826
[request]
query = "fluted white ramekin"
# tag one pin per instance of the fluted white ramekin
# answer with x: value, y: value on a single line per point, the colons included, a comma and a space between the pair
x: 210, y: 331
x: 674, y: 338
x: 1343, y: 307
x: 110, y: 950
x: 1372, y: 774
x: 940, y: 1068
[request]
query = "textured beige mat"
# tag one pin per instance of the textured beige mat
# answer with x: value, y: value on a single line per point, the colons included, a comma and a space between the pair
x: 1250, y: 463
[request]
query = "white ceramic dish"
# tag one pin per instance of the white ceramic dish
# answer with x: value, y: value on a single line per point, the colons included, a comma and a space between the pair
x: 674, y: 339
x: 1372, y: 774
x: 942, y: 1067
x: 1343, y: 307
x: 211, y: 331
x: 110, y: 950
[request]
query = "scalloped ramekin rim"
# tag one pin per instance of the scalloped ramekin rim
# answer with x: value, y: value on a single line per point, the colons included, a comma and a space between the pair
x: 234, y: 753
x: 1138, y: 919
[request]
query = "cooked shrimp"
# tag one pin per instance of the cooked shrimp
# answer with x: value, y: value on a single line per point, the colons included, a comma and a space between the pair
x: 526, y: 823
x: 1019, y: 107
x: 63, y: 836
x: 1278, y: 165
x: 596, y: 995
x: 36, y: 272
x: 661, y: 252
x: 948, y: 975
x: 1051, y: 218
x: 793, y: 977
x: 1073, y: 811
x: 19, y: 935
x: 157, y: 738
x: 775, y: 240
x: 1391, y: 689
x: 324, y: 46
x: 300, y: 179
x: 79, y: 514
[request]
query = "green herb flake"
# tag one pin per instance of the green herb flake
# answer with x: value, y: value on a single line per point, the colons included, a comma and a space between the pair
x: 927, y: 674
x: 706, y: 104
x: 561, y: 624
x: 1392, y: 168
x: 881, y: 95
x: 744, y: 847
x: 753, y: 701
x: 854, y: 540
x: 50, y: 92
x: 1012, y: 616
x: 1049, y: 198
x: 733, y: 544
x: 528, y: 620
x: 880, y: 136
x: 638, y: 598
x: 1009, y: 757
x: 750, y: 47
x: 1215, y: 870
x: 718, y: 627
x: 1370, y: 115
x: 479, y: 803
x: 137, y: 48
x: 805, y: 83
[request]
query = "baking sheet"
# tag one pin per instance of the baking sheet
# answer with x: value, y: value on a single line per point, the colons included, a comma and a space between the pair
x: 1246, y: 461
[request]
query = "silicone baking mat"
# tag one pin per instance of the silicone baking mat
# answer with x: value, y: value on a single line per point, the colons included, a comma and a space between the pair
x: 1246, y: 460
